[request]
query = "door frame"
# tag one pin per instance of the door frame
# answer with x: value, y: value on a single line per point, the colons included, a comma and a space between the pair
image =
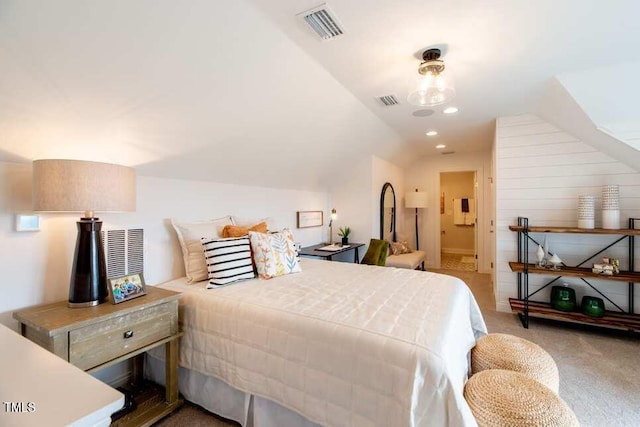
x: 478, y: 190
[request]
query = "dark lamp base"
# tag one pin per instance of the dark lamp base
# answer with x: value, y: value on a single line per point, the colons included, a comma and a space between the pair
x: 88, y: 285
x: 84, y: 304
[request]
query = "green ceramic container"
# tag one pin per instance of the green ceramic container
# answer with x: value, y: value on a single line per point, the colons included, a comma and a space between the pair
x: 592, y: 306
x: 563, y: 298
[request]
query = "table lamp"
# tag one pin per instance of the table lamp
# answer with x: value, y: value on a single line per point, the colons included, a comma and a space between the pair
x: 417, y: 200
x: 83, y: 186
x: 334, y: 215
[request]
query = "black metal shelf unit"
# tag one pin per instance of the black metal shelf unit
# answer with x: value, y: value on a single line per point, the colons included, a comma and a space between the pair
x: 525, y: 307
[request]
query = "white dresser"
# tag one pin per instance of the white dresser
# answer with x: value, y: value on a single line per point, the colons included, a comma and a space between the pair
x: 37, y: 388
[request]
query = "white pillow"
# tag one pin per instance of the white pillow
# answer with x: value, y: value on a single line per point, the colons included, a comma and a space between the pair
x: 189, y: 235
x: 248, y: 222
x: 228, y: 260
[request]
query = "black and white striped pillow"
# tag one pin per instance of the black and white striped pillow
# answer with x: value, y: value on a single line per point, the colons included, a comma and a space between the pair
x: 228, y: 260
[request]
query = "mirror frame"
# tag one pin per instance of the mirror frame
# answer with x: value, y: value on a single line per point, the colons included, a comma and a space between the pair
x: 387, y: 186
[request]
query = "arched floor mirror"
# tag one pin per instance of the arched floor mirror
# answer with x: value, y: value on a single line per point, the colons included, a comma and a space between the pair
x: 388, y: 213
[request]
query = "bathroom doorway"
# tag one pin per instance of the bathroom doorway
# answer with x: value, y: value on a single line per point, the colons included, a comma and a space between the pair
x: 458, y: 224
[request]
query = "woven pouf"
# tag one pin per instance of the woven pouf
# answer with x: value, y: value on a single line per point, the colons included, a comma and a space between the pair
x: 498, y: 398
x: 502, y: 351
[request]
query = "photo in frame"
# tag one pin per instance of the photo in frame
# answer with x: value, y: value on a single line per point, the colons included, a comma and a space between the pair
x: 126, y: 288
x: 307, y: 219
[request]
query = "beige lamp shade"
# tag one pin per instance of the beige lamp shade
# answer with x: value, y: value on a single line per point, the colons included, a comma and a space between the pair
x: 83, y: 186
x: 416, y: 199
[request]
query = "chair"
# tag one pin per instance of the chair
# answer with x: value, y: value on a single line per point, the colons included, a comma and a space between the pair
x: 377, y: 253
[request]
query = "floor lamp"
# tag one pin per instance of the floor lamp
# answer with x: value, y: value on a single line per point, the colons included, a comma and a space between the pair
x: 417, y: 200
x: 89, y: 187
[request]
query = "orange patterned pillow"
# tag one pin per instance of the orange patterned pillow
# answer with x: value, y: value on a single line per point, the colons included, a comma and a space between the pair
x: 239, y: 231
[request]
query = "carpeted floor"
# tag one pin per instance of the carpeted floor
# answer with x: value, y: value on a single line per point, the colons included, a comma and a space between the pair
x: 599, y: 369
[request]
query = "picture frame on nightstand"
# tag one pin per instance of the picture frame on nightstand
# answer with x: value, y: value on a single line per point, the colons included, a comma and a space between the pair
x: 126, y: 288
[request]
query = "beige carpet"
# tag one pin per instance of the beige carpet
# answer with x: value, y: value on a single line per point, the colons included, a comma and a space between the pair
x: 599, y: 369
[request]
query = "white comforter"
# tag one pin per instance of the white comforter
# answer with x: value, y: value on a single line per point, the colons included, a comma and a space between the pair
x: 342, y: 344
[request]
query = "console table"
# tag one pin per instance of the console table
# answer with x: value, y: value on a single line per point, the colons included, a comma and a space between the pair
x: 315, y: 251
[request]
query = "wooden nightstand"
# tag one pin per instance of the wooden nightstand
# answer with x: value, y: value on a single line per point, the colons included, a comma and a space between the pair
x: 93, y: 338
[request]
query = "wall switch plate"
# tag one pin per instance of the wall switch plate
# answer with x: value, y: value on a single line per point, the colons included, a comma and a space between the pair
x: 27, y: 222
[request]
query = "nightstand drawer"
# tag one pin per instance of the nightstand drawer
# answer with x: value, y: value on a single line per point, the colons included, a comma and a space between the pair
x: 101, y: 342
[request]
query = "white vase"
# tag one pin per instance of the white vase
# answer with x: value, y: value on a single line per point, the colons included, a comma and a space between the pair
x: 610, y: 198
x: 586, y: 212
x: 611, y: 219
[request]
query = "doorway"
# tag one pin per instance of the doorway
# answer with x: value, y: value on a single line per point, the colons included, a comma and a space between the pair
x: 458, y: 228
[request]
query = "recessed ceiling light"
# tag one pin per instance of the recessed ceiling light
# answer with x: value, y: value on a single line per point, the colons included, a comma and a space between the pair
x: 440, y: 146
x: 422, y: 113
x: 450, y: 110
x: 432, y: 133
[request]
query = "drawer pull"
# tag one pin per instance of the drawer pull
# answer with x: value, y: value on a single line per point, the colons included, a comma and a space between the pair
x: 128, y: 334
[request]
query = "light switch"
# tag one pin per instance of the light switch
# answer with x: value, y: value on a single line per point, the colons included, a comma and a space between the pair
x: 27, y: 222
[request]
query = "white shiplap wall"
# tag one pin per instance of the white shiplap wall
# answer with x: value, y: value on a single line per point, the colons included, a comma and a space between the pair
x: 540, y: 172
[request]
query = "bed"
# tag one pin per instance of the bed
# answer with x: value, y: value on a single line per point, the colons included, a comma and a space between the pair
x: 337, y: 344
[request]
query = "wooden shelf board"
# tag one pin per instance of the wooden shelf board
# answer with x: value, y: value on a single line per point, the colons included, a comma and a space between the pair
x: 611, y: 319
x: 623, y: 276
x: 575, y: 230
x: 151, y: 407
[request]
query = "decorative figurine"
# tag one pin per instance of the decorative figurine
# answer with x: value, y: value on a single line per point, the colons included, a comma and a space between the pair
x: 556, y: 262
x: 540, y: 255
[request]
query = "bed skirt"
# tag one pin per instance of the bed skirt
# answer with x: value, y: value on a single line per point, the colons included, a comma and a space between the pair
x: 220, y: 398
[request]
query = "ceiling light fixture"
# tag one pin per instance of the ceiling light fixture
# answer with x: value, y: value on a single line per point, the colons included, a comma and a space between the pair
x: 440, y: 146
x: 450, y: 110
x: 423, y: 113
x: 433, y: 87
x: 432, y: 133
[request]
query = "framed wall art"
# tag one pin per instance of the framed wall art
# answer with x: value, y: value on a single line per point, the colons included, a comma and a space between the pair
x: 307, y: 219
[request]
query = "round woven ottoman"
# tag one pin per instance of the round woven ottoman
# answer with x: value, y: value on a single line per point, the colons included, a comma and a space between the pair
x: 502, y: 351
x: 498, y: 397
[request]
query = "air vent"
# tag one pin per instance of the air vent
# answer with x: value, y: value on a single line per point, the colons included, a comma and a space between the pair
x: 323, y: 22
x: 116, y: 255
x: 389, y: 100
x: 135, y: 251
x: 124, y: 251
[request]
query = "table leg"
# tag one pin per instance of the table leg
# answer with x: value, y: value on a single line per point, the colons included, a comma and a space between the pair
x: 137, y: 373
x: 356, y: 258
x: 171, y: 371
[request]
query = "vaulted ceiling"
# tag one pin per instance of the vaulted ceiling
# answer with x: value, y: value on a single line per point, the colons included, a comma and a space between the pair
x: 503, y: 55
x: 242, y: 91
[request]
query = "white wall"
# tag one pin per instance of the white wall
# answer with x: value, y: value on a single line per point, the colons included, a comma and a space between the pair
x: 350, y: 195
x: 36, y: 265
x: 540, y: 173
x: 381, y: 173
x: 424, y: 174
x: 356, y: 197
